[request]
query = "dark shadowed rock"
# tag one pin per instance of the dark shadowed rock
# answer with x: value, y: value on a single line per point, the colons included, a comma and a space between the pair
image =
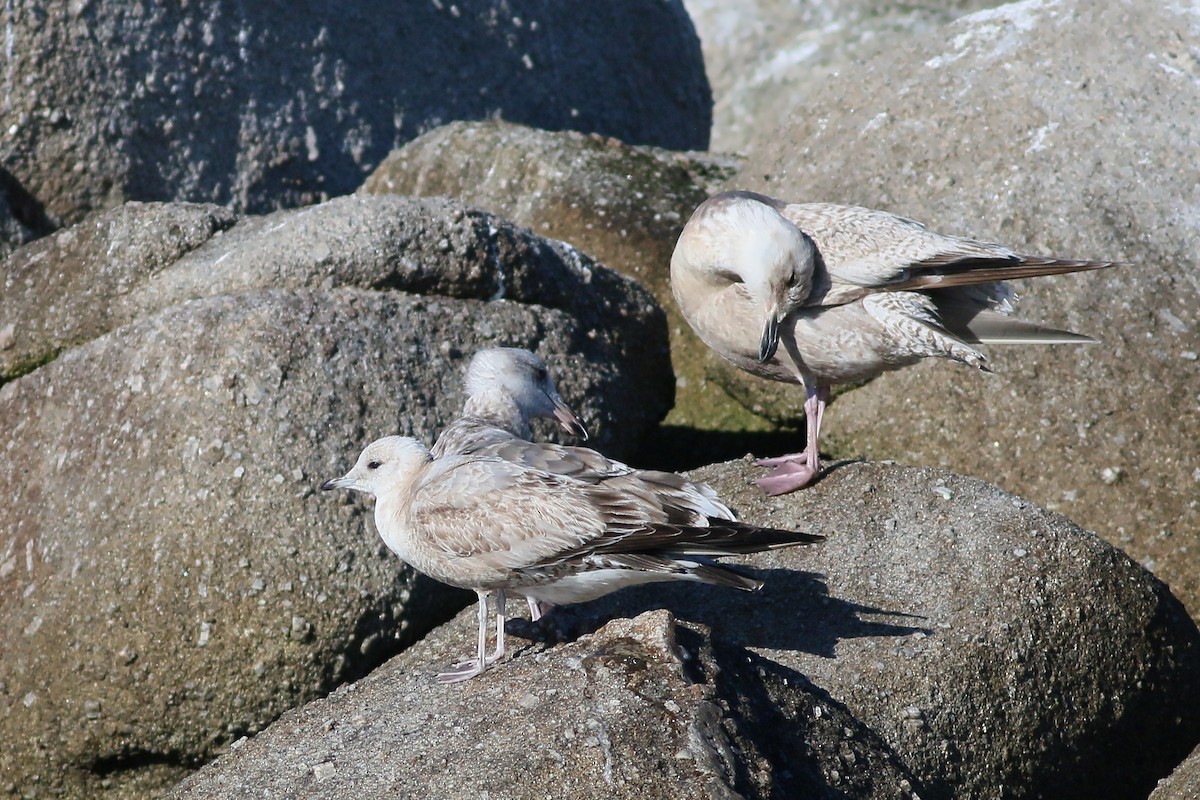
x: 169, y: 576
x: 764, y: 57
x: 1183, y: 783
x: 1012, y: 125
x: 640, y: 708
x: 14, y: 231
x: 622, y: 204
x: 271, y: 104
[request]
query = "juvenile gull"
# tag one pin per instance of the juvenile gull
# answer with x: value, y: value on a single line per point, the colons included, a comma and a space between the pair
x: 497, y: 526
x: 506, y: 387
x: 821, y: 294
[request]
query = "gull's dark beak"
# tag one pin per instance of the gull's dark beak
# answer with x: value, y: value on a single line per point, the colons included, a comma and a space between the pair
x: 568, y: 421
x: 336, y: 483
x: 770, y: 337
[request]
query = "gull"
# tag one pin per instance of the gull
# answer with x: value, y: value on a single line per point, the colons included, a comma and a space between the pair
x: 822, y: 294
x: 497, y: 526
x: 505, y: 388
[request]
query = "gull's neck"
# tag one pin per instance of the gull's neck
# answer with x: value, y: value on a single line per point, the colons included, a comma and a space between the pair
x: 498, y: 408
x: 392, y: 507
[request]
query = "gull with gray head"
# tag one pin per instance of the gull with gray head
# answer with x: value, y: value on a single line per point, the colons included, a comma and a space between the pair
x: 506, y: 387
x: 822, y: 294
x: 497, y: 526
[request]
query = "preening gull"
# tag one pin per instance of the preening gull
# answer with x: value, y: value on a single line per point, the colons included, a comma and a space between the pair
x: 821, y: 294
x: 497, y: 526
x: 506, y: 387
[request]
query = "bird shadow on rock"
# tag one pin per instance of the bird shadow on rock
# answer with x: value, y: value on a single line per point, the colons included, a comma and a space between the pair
x: 793, y: 611
x: 677, y: 448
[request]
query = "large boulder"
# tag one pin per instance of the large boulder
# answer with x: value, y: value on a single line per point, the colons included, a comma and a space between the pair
x: 947, y: 639
x: 169, y: 576
x: 764, y: 57
x: 1012, y: 125
x: 275, y: 104
x: 140, y: 258
x: 997, y: 647
x: 625, y: 205
x: 641, y: 708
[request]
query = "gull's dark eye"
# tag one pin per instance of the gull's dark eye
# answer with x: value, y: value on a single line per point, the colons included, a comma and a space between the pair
x: 542, y: 374
x: 373, y: 465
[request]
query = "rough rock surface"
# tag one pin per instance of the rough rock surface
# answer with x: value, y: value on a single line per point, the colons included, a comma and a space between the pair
x: 940, y: 623
x: 640, y: 708
x: 624, y: 205
x: 169, y: 577
x: 1011, y: 125
x: 764, y: 57
x: 1183, y: 783
x: 113, y: 268
x: 274, y: 104
x: 64, y: 289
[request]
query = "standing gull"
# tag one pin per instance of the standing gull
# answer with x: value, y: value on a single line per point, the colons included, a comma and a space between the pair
x: 821, y: 294
x: 492, y: 525
x: 506, y: 387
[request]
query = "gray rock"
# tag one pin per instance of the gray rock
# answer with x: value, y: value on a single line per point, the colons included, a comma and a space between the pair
x: 62, y: 290
x: 1183, y: 783
x: 955, y: 620
x: 133, y: 261
x: 915, y: 650
x: 272, y: 104
x: 169, y: 577
x: 765, y: 57
x: 640, y: 708
x: 1012, y: 125
x: 622, y: 204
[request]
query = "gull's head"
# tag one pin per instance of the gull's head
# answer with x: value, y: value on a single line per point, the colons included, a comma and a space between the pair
x: 385, y: 462
x: 786, y: 261
x: 744, y: 238
x: 522, y: 379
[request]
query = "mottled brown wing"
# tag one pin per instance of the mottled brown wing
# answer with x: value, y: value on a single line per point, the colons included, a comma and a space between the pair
x: 579, y: 463
x: 865, y: 251
x: 481, y: 505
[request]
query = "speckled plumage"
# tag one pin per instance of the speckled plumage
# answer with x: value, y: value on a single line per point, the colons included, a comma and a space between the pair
x: 822, y: 294
x: 506, y: 387
x: 493, y: 525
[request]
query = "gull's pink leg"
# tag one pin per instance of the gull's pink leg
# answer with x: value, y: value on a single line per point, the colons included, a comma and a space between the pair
x: 469, y: 669
x: 538, y: 608
x: 797, y: 470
